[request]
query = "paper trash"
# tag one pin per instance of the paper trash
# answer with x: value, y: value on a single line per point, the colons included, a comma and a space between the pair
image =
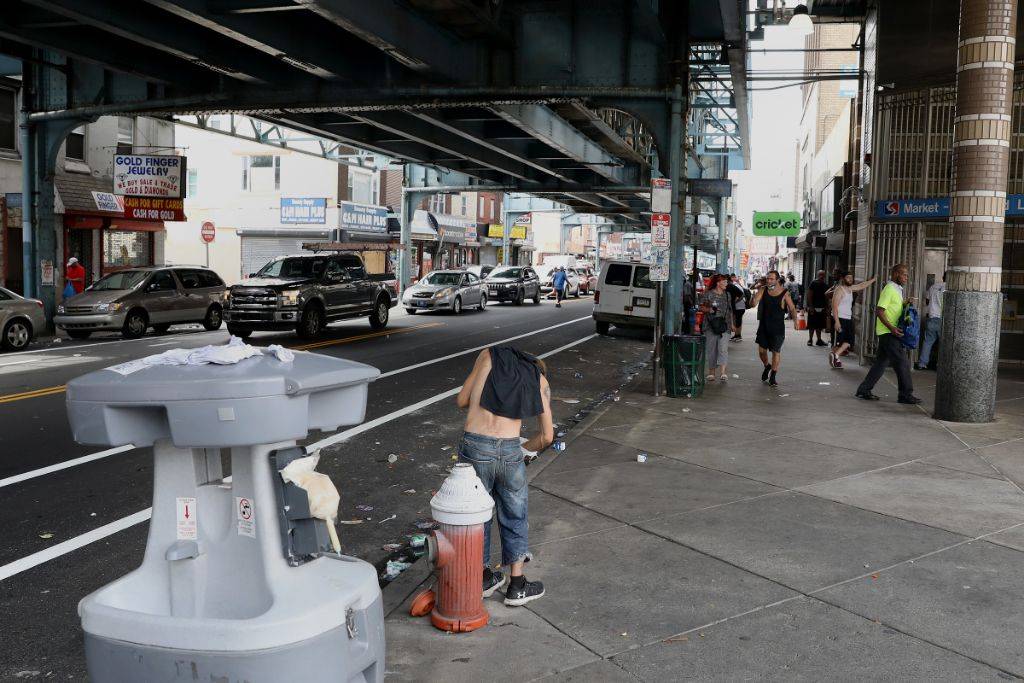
x: 233, y: 352
x: 323, y: 496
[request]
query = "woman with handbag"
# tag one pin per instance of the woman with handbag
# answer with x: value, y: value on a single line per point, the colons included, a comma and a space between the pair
x: 718, y: 319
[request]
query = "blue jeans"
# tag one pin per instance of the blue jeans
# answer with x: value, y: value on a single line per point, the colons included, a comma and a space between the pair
x: 932, y: 330
x: 499, y: 464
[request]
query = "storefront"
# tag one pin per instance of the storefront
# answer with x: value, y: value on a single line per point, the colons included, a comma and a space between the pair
x: 373, y: 226
x: 441, y: 241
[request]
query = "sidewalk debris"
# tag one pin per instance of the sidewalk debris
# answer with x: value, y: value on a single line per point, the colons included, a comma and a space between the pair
x: 394, y: 568
x: 388, y: 519
x: 350, y: 521
x: 427, y: 525
x: 641, y: 457
x: 391, y: 547
x: 364, y: 508
x: 824, y: 384
x: 578, y: 375
x: 392, y: 458
x: 735, y: 376
x: 418, y: 540
x: 409, y: 492
x: 46, y: 535
x: 570, y: 401
x: 558, y: 446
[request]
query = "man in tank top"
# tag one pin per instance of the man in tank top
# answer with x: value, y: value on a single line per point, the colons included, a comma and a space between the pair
x: 842, y: 313
x: 772, y: 303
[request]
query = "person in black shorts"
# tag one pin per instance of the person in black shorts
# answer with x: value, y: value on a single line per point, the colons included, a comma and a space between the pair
x: 816, y: 305
x: 771, y: 303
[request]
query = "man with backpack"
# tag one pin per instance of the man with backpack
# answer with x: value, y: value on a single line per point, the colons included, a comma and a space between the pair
x: 891, y: 351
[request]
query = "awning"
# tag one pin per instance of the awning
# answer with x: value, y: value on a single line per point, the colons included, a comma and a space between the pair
x: 82, y: 194
x: 424, y: 225
x: 298, y: 233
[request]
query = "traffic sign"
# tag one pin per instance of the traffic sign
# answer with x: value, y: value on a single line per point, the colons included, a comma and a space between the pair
x: 661, y: 225
x: 208, y: 232
x: 661, y: 195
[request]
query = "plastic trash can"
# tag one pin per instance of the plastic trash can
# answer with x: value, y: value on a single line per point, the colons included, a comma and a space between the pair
x: 228, y: 589
x: 683, y: 360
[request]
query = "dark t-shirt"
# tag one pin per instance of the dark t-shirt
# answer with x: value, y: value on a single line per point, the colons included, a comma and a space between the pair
x: 816, y: 294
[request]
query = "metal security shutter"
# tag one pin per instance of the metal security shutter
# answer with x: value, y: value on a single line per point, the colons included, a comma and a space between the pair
x: 891, y: 243
x: 258, y: 251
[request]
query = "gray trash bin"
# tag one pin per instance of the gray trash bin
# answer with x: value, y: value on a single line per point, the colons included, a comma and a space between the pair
x: 219, y: 596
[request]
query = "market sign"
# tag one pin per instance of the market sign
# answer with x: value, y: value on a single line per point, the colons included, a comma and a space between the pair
x: 364, y: 218
x: 299, y: 210
x: 776, y: 223
x: 144, y: 175
x: 934, y: 207
x: 153, y: 209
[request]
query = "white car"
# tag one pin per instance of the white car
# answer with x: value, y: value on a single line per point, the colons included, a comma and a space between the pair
x: 625, y: 296
x: 572, y: 278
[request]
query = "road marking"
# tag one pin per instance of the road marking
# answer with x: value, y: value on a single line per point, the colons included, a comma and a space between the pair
x: 72, y: 544
x: 18, y: 362
x: 109, y: 342
x: 121, y: 449
x: 360, y: 337
x: 477, y: 348
x: 24, y: 476
x: 36, y: 393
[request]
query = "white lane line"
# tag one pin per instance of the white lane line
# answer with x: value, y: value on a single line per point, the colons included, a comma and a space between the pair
x: 121, y: 449
x: 110, y: 342
x: 19, y: 362
x: 38, y: 558
x: 24, y: 476
x: 53, y: 552
x: 478, y: 348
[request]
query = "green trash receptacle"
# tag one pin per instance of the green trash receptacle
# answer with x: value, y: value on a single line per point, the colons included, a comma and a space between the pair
x: 683, y: 360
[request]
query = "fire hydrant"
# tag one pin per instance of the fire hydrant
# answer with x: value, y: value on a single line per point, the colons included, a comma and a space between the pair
x: 462, y: 507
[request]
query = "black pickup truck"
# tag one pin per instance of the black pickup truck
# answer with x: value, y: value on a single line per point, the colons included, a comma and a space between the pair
x: 304, y: 292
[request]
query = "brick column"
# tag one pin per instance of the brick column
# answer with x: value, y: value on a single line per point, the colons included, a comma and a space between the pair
x: 966, y: 387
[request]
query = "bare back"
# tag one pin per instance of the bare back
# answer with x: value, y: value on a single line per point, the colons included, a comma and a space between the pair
x: 479, y: 420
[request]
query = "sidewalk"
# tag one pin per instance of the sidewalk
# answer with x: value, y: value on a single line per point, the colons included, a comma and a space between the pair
x: 795, y: 533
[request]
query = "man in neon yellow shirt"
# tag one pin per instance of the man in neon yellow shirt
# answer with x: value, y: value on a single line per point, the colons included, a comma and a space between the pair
x: 888, y: 313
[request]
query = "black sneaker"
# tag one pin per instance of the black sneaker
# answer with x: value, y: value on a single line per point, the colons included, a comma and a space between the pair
x: 493, y: 580
x: 867, y: 396
x: 767, y: 371
x: 771, y: 379
x: 820, y: 343
x: 810, y: 343
x: 527, y: 592
x: 910, y: 400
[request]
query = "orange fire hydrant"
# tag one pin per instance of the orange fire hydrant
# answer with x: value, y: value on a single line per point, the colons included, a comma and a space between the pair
x: 461, y: 506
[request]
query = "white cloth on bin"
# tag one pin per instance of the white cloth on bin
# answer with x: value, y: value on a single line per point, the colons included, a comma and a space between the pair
x: 323, y: 496
x: 225, y: 354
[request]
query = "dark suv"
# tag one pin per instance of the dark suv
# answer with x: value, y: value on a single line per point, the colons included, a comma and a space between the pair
x: 513, y: 283
x: 304, y: 292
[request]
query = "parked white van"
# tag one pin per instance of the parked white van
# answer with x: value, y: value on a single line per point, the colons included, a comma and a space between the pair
x: 624, y: 296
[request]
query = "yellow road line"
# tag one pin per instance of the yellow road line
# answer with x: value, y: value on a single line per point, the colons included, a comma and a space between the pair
x: 360, y: 337
x: 50, y: 391
x: 36, y: 393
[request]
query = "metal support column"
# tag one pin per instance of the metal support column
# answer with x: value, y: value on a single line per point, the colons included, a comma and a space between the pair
x: 723, y: 253
x: 672, y: 307
x: 505, y: 228
x: 27, y: 182
x: 405, y: 249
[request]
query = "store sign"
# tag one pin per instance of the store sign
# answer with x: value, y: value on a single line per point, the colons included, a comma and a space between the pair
x: 518, y: 232
x: 471, y: 233
x: 107, y: 201
x: 364, y: 218
x: 143, y: 175
x: 302, y: 210
x: 776, y: 223
x: 153, y: 209
x: 709, y: 187
x: 935, y: 207
x: 496, y: 231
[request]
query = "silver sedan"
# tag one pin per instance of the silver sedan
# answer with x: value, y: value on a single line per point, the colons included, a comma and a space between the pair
x: 21, y: 320
x: 449, y: 290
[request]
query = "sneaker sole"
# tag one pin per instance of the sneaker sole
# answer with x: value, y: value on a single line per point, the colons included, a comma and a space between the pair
x: 519, y: 602
x: 490, y: 591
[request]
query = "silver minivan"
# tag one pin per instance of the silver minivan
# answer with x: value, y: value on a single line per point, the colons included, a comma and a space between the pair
x: 136, y: 299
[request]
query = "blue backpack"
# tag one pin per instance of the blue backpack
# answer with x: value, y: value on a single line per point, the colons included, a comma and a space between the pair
x: 910, y: 325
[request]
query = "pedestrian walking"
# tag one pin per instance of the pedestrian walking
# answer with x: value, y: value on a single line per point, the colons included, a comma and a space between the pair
x: 75, y: 274
x: 505, y: 387
x: 794, y: 291
x: 718, y: 319
x: 888, y: 313
x: 933, y: 326
x: 816, y: 307
x: 739, y: 296
x: 842, y: 313
x: 772, y: 301
x: 559, y: 281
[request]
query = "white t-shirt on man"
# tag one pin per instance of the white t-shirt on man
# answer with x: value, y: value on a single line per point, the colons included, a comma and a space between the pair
x: 935, y: 299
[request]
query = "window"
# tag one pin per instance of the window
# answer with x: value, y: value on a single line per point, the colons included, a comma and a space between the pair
x: 353, y: 266
x: 190, y: 279
x: 193, y: 182
x: 74, y: 147
x: 162, y: 281
x: 360, y: 187
x: 642, y: 278
x: 464, y: 202
x: 124, y: 249
x: 8, y: 121
x: 261, y: 173
x: 618, y: 275
x: 125, y: 135
x: 208, y: 278
x: 480, y: 207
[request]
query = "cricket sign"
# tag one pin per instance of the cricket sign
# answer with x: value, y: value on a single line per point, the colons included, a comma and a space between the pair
x: 143, y: 175
x: 776, y: 223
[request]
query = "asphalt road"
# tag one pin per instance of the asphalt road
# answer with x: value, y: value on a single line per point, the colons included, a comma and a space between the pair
x: 74, y: 517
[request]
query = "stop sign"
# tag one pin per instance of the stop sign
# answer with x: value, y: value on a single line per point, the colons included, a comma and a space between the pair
x: 208, y: 232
